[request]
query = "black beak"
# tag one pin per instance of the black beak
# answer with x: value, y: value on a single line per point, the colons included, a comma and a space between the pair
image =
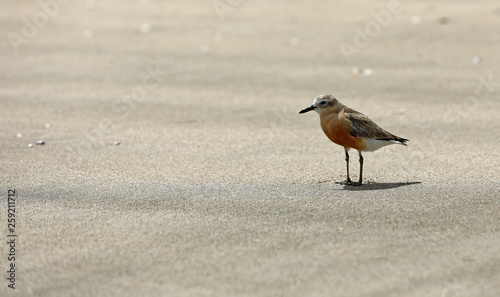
x: 307, y: 109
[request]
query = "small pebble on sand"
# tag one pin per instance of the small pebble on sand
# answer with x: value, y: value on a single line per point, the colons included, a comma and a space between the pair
x: 88, y: 33
x: 415, y: 19
x: 145, y: 28
x: 356, y: 70
x: 205, y: 49
x: 367, y: 71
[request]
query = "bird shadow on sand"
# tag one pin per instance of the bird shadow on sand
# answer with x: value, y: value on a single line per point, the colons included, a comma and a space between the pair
x: 377, y: 186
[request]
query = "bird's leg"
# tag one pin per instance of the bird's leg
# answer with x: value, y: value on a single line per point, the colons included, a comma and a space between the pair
x: 360, y: 169
x: 348, y: 180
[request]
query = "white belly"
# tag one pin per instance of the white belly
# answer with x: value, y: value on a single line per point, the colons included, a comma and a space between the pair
x: 375, y: 144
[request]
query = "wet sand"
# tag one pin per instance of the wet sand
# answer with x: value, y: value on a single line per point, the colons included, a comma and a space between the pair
x: 175, y: 161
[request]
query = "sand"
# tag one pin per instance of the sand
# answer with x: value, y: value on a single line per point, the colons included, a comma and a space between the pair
x: 175, y: 161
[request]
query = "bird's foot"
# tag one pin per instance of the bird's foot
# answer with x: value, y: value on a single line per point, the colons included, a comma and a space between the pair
x: 349, y: 182
x: 358, y: 183
x: 345, y: 182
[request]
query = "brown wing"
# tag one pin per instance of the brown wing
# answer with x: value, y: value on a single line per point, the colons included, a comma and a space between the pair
x: 362, y: 126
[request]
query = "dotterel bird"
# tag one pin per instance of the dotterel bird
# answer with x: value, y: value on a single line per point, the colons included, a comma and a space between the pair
x: 351, y: 129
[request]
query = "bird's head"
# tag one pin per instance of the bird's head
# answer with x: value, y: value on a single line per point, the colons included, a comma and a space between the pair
x: 321, y: 103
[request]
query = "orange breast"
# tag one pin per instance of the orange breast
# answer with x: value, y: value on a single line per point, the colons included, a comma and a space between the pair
x: 337, y: 130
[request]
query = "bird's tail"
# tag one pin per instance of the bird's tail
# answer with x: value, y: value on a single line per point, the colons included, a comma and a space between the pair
x: 396, y: 139
x: 401, y: 140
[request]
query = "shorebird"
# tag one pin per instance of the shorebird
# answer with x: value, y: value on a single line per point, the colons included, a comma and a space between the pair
x: 351, y: 129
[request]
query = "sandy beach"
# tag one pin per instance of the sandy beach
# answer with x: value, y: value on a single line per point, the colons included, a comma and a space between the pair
x: 175, y: 162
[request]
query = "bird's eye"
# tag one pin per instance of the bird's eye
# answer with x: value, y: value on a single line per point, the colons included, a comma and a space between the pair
x: 322, y: 103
